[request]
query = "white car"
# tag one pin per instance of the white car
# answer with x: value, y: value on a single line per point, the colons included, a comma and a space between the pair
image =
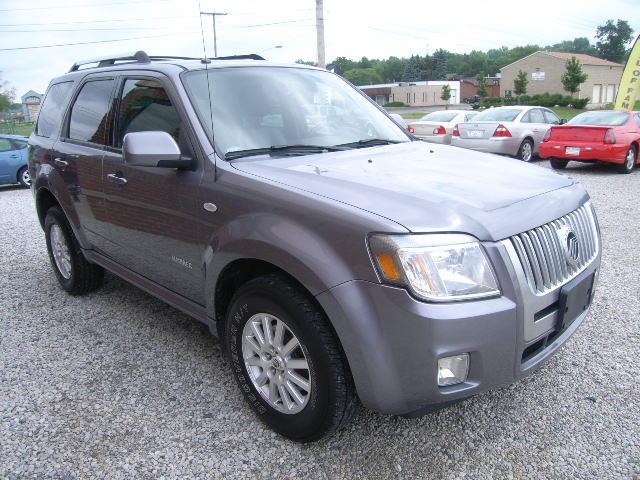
x: 437, y: 127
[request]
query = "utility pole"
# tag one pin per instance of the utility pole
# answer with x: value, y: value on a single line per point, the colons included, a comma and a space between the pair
x: 213, y: 19
x: 320, y: 34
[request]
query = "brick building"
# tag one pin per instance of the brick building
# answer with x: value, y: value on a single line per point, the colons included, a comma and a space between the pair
x: 544, y: 70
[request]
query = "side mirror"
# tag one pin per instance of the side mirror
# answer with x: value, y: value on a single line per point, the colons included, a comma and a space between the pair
x: 563, y: 121
x: 153, y: 149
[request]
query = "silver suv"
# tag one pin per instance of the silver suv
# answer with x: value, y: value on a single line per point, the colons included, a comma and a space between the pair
x: 338, y: 260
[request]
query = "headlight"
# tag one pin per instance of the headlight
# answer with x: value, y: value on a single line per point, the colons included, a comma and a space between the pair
x: 435, y: 267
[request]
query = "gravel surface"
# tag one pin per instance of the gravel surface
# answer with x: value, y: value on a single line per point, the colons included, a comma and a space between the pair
x: 117, y: 384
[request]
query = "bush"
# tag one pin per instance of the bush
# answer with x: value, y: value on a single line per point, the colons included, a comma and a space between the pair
x: 395, y: 104
x: 580, y: 102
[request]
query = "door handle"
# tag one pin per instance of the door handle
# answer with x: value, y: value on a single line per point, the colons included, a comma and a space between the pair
x: 117, y: 179
x: 60, y: 162
x: 13, y: 156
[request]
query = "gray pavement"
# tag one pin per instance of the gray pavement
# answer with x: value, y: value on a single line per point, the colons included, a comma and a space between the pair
x: 117, y: 384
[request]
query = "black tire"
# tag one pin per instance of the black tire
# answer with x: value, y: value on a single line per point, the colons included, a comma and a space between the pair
x: 522, y: 155
x: 332, y: 401
x: 629, y: 165
x: 84, y: 277
x: 21, y: 178
x: 558, y: 164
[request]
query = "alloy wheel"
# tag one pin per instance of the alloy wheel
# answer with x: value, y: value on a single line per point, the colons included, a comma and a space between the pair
x: 26, y: 179
x: 60, y: 251
x: 631, y: 159
x: 276, y: 363
x: 527, y: 151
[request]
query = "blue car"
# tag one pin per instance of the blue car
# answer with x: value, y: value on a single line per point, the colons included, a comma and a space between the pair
x: 13, y: 160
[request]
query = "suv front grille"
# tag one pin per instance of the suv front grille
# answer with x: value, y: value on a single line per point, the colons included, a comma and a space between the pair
x: 554, y: 253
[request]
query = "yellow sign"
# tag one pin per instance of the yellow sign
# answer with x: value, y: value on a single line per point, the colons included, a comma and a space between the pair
x: 630, y: 82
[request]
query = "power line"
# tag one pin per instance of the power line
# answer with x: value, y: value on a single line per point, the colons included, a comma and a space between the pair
x: 77, y: 29
x: 95, y: 21
x: 95, y: 41
x: 82, y: 5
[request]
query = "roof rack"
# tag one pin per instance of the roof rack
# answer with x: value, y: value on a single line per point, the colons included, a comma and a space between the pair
x: 141, y: 57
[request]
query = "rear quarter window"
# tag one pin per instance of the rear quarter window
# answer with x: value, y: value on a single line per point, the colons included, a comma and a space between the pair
x: 89, y: 121
x: 52, y: 109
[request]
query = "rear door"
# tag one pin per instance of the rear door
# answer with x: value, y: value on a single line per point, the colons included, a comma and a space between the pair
x: 155, y: 213
x: 8, y: 158
x: 78, y: 154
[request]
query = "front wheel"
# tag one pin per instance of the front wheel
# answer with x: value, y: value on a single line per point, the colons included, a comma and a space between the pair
x: 525, y: 152
x: 557, y: 164
x: 629, y: 161
x: 287, y: 360
x: 74, y: 273
x: 23, y: 178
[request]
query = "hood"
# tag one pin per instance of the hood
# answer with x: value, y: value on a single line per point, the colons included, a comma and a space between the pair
x: 422, y: 186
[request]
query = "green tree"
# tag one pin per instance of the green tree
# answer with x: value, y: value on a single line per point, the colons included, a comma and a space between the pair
x: 7, y: 94
x: 520, y: 83
x: 446, y: 95
x: 363, y: 76
x: 412, y: 71
x: 440, y: 64
x: 613, y: 39
x: 482, y: 85
x: 573, y: 76
x: 343, y: 64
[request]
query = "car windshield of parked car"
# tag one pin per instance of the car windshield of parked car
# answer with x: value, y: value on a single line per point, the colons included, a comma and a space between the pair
x: 605, y: 119
x: 265, y: 107
x: 439, y: 117
x: 497, y: 115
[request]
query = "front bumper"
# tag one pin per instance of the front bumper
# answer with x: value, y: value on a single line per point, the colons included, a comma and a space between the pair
x: 393, y: 341
x: 499, y: 145
x: 615, y: 153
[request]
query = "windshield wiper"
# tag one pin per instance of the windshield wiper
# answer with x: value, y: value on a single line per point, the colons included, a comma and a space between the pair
x: 369, y: 142
x: 284, y: 149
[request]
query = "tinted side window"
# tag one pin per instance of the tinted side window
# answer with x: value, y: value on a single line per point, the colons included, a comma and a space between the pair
x: 144, y: 107
x: 52, y: 109
x: 90, y: 112
x: 5, y: 145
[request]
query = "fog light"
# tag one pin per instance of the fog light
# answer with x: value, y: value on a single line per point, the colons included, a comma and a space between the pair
x: 453, y: 370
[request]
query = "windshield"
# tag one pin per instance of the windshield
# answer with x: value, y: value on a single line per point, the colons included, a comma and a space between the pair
x: 497, y: 115
x: 439, y: 117
x: 610, y: 119
x: 263, y: 107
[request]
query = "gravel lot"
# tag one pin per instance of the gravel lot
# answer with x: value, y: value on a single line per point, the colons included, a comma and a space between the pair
x: 117, y: 384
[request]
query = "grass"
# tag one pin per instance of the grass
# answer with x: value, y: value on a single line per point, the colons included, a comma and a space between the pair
x: 17, y: 128
x: 413, y: 115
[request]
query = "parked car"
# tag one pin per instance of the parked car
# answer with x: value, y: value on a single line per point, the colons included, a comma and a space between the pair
x: 472, y: 99
x: 515, y: 131
x: 339, y: 263
x: 13, y: 160
x: 437, y: 126
x: 401, y: 121
x: 603, y: 136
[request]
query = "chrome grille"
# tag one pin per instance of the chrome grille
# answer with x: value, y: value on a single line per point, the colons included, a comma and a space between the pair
x: 543, y: 256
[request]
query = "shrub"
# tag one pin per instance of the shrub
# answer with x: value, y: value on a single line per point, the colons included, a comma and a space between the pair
x: 580, y: 102
x: 395, y: 104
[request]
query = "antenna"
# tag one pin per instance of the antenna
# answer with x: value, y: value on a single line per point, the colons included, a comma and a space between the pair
x: 205, y: 60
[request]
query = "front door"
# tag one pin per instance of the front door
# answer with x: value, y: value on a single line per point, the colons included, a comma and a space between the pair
x: 8, y: 159
x: 155, y: 213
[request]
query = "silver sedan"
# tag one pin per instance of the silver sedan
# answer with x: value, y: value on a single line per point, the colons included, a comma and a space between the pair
x: 437, y: 127
x: 516, y: 131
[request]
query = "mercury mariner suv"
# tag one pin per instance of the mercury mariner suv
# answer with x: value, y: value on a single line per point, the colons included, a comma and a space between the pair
x: 339, y: 260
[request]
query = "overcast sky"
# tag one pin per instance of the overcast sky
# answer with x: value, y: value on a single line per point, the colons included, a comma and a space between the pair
x: 353, y: 29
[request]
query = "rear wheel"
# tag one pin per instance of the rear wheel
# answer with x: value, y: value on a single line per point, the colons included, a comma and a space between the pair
x: 74, y: 273
x: 557, y: 164
x: 23, y: 177
x: 287, y: 360
x: 629, y: 161
x: 525, y: 152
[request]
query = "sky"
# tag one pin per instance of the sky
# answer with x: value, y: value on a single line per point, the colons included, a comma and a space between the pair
x: 281, y: 30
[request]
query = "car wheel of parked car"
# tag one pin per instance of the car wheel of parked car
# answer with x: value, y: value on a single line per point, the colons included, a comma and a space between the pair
x: 23, y: 177
x: 525, y: 152
x: 74, y: 272
x: 287, y: 360
x: 558, y: 164
x: 630, y: 161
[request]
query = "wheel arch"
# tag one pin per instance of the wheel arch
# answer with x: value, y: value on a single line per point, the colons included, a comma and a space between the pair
x: 44, y: 201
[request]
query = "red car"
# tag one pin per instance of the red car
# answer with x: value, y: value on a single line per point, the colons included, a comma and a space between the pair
x: 602, y: 136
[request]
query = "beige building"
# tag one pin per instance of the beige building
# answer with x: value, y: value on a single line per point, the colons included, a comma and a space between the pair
x: 544, y: 70
x: 415, y: 94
